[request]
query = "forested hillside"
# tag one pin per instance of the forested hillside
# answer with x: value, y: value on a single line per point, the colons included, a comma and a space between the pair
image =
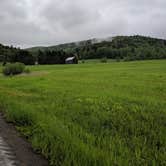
x: 123, y: 48
x: 120, y: 47
x: 126, y: 48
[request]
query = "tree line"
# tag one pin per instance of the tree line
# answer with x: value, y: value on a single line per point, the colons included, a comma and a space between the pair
x: 125, y: 48
x: 10, y: 54
x: 52, y: 57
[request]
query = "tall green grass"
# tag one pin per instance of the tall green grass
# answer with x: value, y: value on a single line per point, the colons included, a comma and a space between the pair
x: 91, y: 114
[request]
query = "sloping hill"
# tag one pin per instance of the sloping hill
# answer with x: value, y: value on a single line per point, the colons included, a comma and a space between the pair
x: 119, y: 47
x: 70, y: 46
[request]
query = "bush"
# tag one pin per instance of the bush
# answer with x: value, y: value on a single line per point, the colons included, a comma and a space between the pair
x: 13, y: 68
x: 83, y: 61
x: 27, y: 71
x: 104, y: 60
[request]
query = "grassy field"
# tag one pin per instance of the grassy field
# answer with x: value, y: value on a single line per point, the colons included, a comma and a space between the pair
x: 94, y: 61
x: 91, y: 114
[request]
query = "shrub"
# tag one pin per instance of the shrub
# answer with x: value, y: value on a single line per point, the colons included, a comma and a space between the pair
x: 27, y: 71
x: 104, y: 60
x: 83, y: 61
x: 13, y: 68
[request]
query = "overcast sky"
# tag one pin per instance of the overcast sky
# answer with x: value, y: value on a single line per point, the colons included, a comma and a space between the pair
x: 48, y: 22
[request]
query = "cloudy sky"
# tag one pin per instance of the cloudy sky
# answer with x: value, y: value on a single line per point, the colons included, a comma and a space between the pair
x: 28, y: 23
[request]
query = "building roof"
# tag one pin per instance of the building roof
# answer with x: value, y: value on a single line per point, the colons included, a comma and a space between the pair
x: 70, y: 58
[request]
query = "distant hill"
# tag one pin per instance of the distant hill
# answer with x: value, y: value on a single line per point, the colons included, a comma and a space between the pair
x: 119, y: 47
x: 69, y: 46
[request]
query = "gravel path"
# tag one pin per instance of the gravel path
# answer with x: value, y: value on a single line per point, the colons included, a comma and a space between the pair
x: 7, y: 158
x: 15, y: 150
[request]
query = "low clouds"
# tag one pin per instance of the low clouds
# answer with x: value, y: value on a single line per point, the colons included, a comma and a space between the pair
x: 48, y: 22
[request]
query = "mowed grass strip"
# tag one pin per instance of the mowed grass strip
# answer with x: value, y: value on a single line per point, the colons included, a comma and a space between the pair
x: 91, y: 114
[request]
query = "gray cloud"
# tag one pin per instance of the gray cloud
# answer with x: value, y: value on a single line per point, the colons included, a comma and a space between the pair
x: 49, y: 22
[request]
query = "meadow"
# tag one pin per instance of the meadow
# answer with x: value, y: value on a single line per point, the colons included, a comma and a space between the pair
x: 94, y: 114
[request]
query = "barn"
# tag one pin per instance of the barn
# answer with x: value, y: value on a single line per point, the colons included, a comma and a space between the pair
x: 71, y: 60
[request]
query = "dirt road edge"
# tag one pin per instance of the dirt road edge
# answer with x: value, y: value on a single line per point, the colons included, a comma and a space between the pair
x: 21, y: 148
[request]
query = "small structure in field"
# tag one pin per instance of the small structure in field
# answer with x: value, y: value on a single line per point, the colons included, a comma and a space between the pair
x: 71, y: 60
x: 36, y: 63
